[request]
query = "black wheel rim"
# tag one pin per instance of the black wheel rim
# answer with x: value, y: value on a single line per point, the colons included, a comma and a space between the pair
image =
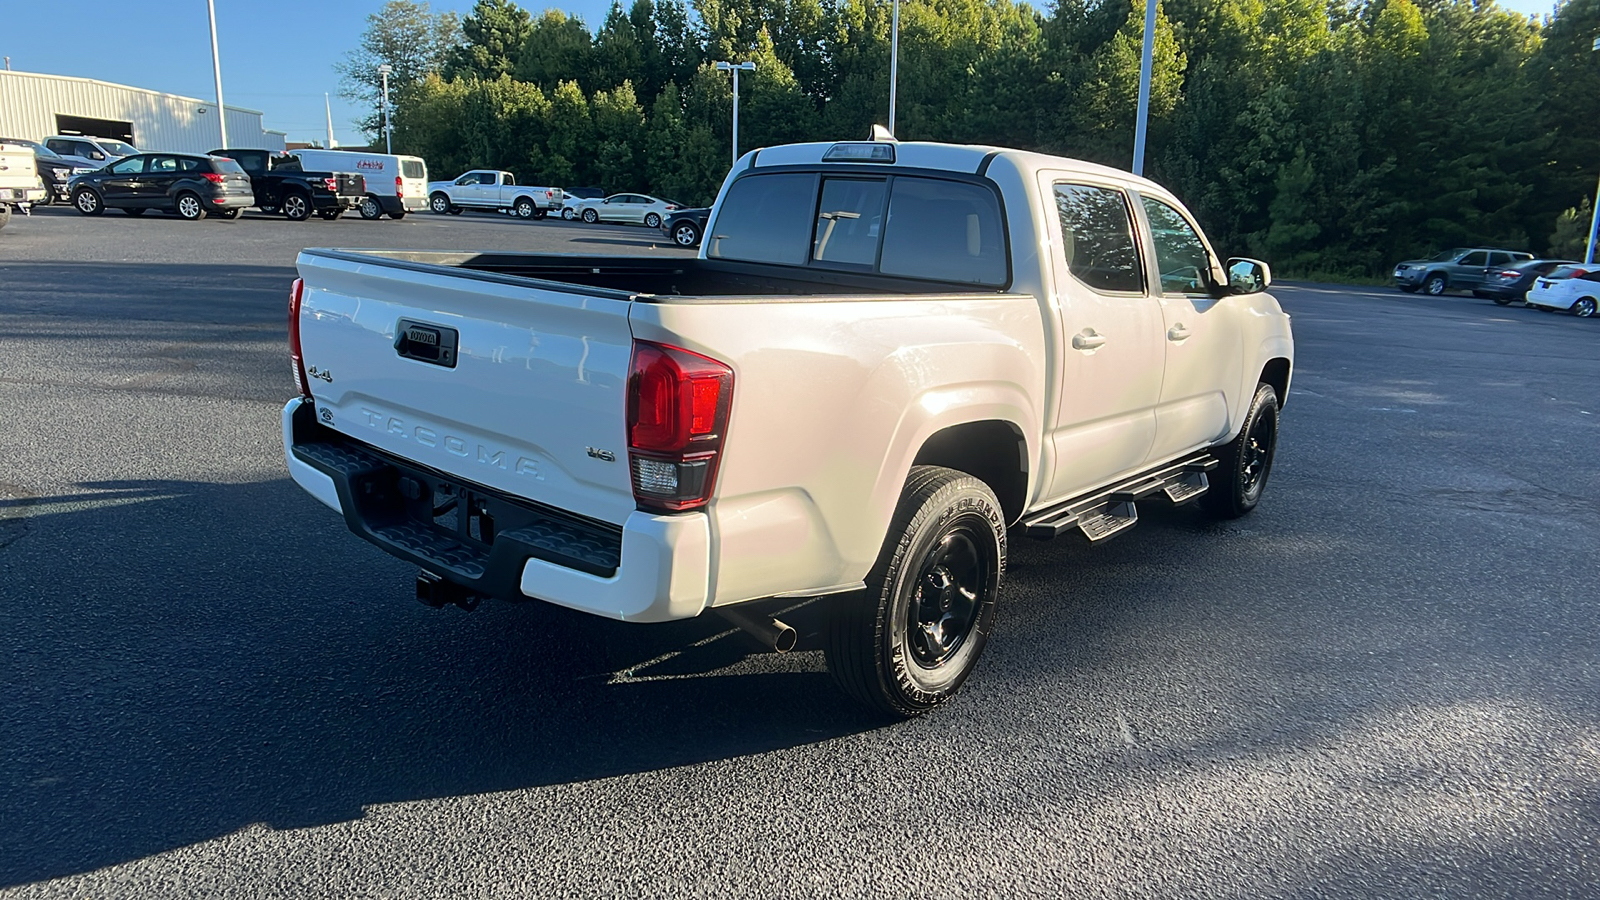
x: 951, y: 587
x: 1256, y: 459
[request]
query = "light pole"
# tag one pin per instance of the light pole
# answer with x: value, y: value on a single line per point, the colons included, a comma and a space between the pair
x: 1594, y: 218
x: 894, y: 62
x: 1145, y: 64
x: 216, y: 67
x: 736, y: 68
x: 383, y: 73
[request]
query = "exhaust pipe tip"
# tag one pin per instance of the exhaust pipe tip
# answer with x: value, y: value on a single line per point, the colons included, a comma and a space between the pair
x: 771, y: 632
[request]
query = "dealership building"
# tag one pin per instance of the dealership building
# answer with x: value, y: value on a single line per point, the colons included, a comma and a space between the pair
x: 34, y: 106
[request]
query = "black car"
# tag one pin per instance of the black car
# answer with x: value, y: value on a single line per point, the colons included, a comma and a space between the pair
x: 190, y: 185
x: 686, y: 226
x: 54, y: 169
x: 1510, y: 284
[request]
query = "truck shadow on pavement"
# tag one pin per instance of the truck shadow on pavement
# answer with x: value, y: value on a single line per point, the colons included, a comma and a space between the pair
x: 186, y: 659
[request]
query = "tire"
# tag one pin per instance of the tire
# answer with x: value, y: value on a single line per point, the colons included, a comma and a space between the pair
x: 86, y: 201
x: 1584, y: 308
x: 5, y: 214
x: 1501, y: 301
x: 539, y: 213
x: 296, y: 206
x: 1436, y: 284
x: 590, y: 216
x: 686, y: 234
x: 398, y: 215
x: 230, y: 213
x: 329, y: 215
x: 569, y: 213
x: 49, y: 198
x: 439, y: 203
x: 370, y: 208
x: 524, y: 208
x: 457, y: 210
x: 189, y: 206
x: 134, y: 211
x: 908, y: 642
x: 1246, y: 461
x: 652, y: 220
x: 1409, y: 288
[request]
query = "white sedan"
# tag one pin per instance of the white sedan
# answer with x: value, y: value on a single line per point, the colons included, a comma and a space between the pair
x: 1572, y: 288
x: 634, y: 209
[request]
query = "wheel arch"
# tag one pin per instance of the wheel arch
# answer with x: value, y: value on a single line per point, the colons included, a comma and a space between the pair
x: 993, y: 451
x: 1276, y: 373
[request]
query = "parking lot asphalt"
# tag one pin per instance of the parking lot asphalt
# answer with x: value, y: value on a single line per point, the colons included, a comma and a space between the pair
x: 1383, y: 683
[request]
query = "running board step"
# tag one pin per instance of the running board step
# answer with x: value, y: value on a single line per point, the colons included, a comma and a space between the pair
x: 1112, y: 510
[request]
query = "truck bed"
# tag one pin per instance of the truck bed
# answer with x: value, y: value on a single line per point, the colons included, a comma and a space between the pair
x: 643, y: 278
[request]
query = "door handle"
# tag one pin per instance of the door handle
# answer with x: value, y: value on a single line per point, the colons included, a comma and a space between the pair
x: 1177, y: 333
x: 1087, y: 340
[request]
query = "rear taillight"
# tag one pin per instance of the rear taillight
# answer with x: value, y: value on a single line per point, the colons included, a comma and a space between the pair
x: 399, y: 187
x: 300, y: 381
x: 1509, y: 273
x: 678, y: 405
x: 213, y: 177
x: 331, y: 183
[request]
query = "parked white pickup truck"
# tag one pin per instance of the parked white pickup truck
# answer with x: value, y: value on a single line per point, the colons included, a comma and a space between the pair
x: 20, y: 185
x: 490, y: 189
x: 885, y: 357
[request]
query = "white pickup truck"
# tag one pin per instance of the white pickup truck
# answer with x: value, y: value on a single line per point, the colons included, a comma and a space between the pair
x: 887, y: 356
x: 20, y: 185
x: 490, y: 189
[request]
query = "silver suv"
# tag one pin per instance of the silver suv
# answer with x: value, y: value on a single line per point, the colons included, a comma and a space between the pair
x: 1463, y: 268
x: 90, y: 152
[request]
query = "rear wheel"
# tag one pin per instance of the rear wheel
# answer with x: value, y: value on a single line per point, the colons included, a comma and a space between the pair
x: 88, y: 202
x: 189, y: 206
x: 1584, y: 308
x: 398, y: 214
x: 524, y: 208
x: 1246, y: 461
x: 370, y: 208
x: 907, y: 643
x: 652, y: 220
x: 1502, y: 301
x: 456, y: 210
x: 296, y: 206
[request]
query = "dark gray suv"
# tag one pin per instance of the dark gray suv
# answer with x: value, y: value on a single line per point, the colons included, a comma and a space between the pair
x: 1463, y: 268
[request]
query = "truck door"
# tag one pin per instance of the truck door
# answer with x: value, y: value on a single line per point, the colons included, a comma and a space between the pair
x: 504, y: 191
x: 1204, y: 354
x: 1111, y: 362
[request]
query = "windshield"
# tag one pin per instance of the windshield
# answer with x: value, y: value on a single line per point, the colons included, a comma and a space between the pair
x: 1448, y: 255
x: 117, y: 148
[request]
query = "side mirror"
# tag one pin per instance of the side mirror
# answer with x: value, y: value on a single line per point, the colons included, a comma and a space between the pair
x: 1248, y: 276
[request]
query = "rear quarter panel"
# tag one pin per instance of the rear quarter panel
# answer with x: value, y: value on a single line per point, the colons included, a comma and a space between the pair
x: 832, y: 400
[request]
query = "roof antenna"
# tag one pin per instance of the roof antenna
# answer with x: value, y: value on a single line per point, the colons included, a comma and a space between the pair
x: 880, y: 133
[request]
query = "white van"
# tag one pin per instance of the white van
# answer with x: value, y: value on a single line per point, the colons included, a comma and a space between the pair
x: 396, y: 185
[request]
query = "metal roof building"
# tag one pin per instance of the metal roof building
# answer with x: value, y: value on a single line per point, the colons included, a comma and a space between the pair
x: 33, y: 106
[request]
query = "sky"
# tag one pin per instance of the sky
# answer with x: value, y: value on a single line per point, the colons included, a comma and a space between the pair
x: 277, y: 55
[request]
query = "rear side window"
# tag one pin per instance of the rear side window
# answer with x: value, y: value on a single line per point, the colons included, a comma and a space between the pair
x: 1097, y: 238
x: 1567, y: 272
x: 225, y: 166
x: 946, y: 230
x: 765, y: 218
x: 413, y: 168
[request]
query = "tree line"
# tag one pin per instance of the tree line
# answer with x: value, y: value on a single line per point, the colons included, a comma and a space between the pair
x: 1326, y: 136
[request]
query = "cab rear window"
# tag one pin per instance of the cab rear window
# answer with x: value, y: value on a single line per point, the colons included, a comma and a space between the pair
x: 905, y: 225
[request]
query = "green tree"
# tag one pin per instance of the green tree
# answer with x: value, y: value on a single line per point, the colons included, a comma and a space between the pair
x: 412, y: 40
x: 558, y: 49
x: 495, y: 32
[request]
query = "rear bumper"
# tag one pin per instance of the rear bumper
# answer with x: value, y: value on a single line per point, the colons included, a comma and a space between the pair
x: 652, y: 569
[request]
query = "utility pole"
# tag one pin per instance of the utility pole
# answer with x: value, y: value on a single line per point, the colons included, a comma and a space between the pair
x: 216, y: 66
x: 383, y: 73
x: 1594, y: 218
x: 736, y: 68
x: 1145, y: 64
x: 894, y: 62
x: 327, y: 106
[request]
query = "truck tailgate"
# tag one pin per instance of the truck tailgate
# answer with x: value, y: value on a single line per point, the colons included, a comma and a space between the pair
x: 498, y: 381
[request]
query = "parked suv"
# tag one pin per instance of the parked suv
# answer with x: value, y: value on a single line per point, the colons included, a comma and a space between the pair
x: 190, y: 185
x: 1464, y: 268
x: 54, y: 169
x: 89, y: 151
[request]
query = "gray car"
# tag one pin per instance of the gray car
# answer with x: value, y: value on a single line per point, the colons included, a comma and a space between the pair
x: 1463, y: 268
